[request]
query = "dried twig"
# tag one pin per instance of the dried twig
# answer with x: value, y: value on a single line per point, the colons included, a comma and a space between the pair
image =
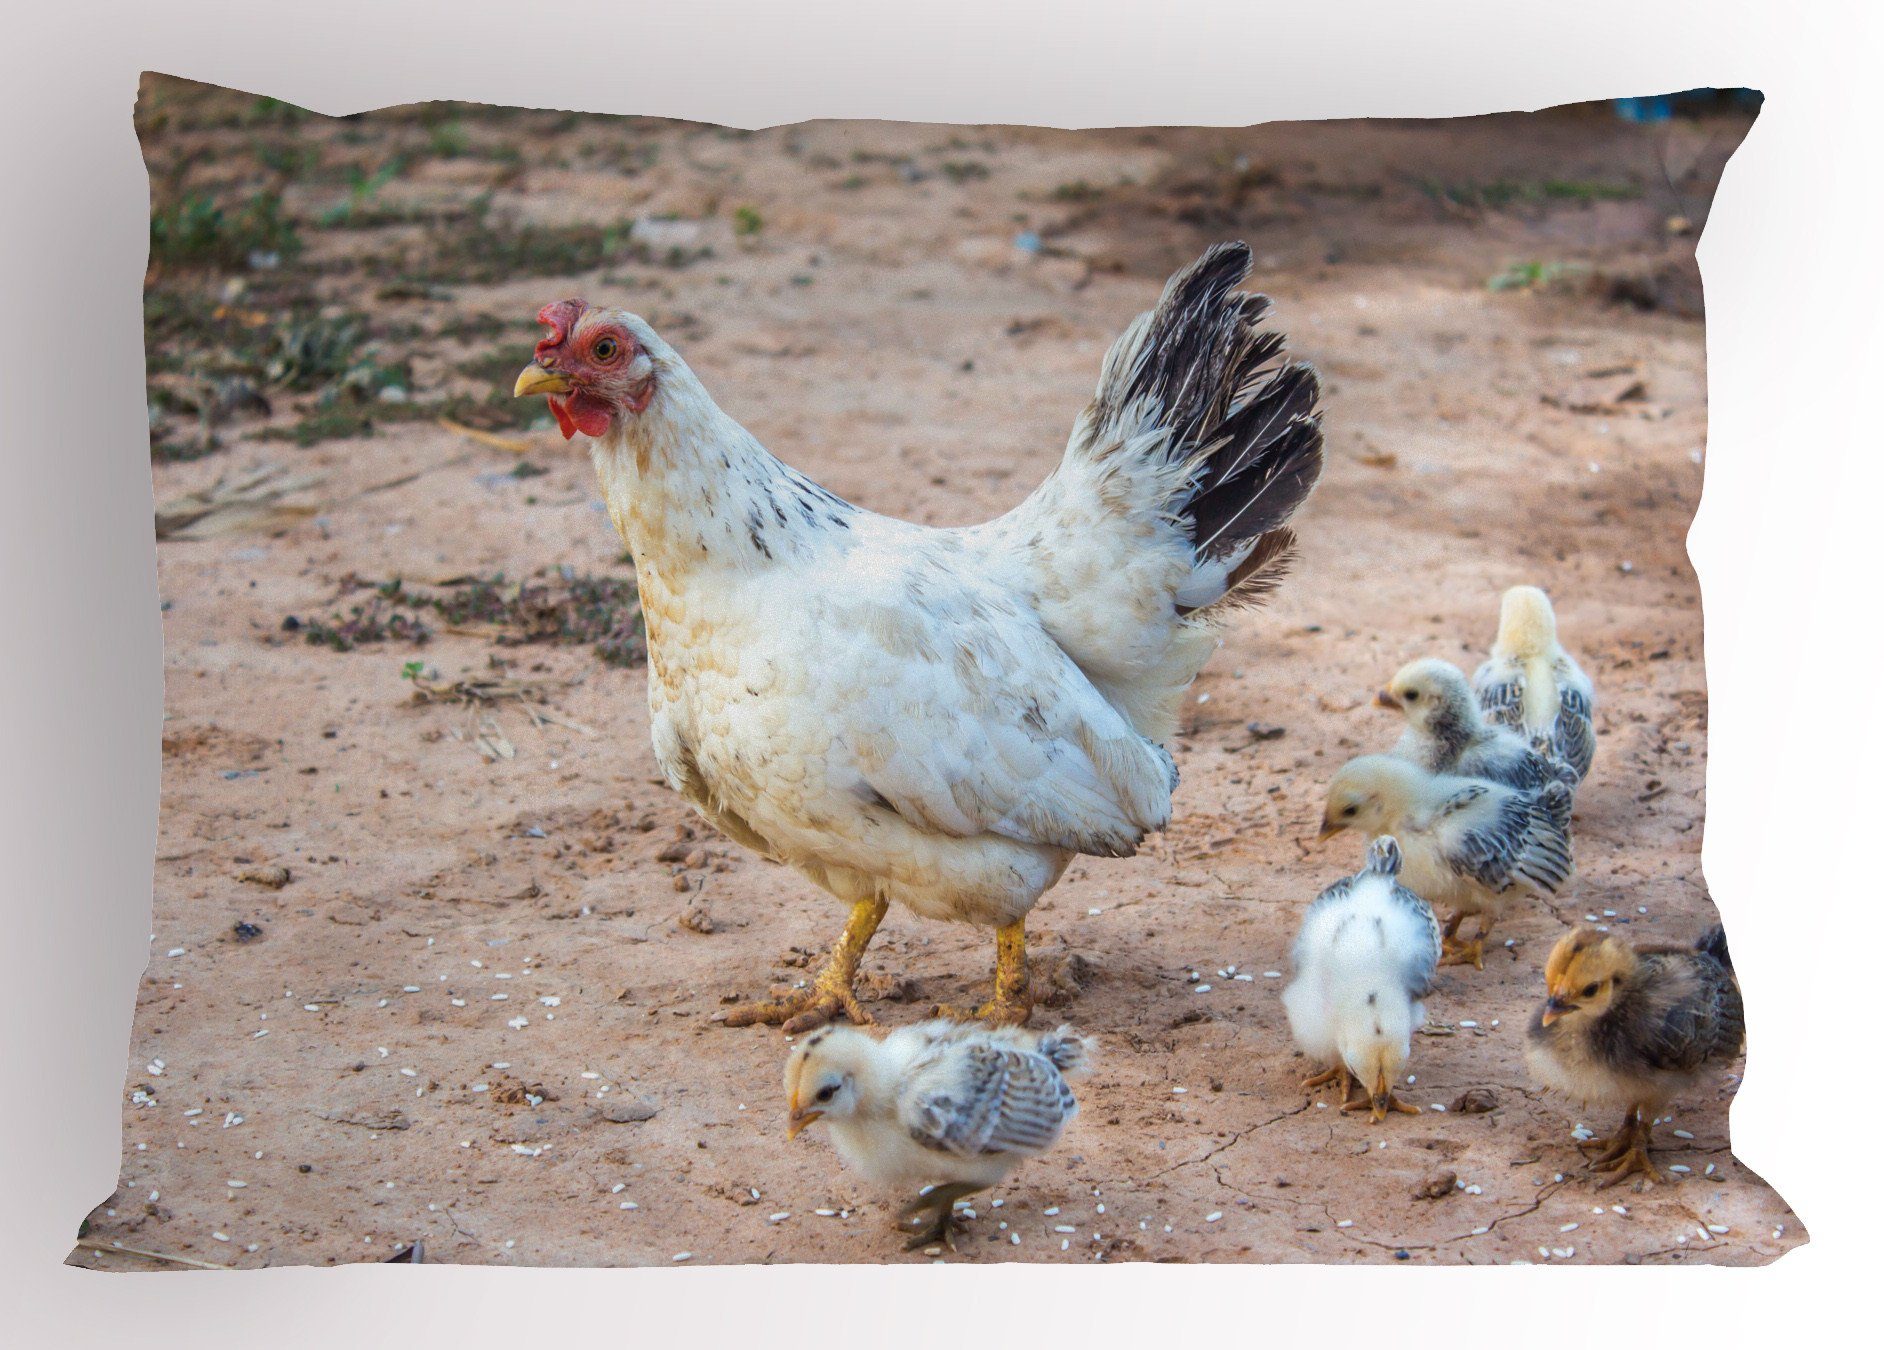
x: 94, y: 1245
x: 513, y: 445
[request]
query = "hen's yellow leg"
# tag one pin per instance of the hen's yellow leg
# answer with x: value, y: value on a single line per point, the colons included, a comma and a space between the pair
x: 830, y: 993
x: 1013, y: 1002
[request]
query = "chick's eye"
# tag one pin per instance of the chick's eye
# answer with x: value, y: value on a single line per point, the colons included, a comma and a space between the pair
x: 605, y: 349
x: 1589, y: 991
x: 1412, y: 696
x: 1349, y: 810
x: 828, y: 1091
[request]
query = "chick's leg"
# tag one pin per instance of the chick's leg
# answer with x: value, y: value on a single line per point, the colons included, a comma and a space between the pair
x: 1339, y: 1074
x: 830, y: 993
x: 1379, y: 1106
x: 1456, y: 951
x: 941, y: 1203
x: 1628, y: 1153
x: 1013, y: 1001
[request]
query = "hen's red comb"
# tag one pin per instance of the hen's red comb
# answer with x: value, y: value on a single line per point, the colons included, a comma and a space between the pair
x: 560, y: 318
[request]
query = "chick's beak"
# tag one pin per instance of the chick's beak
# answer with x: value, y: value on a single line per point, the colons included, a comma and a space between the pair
x: 800, y: 1117
x: 1553, y: 1009
x: 1385, y: 699
x: 1329, y: 829
x: 536, y: 380
x: 1381, y: 1097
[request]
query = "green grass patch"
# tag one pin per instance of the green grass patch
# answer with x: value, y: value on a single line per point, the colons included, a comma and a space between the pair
x: 195, y: 230
x: 562, y: 606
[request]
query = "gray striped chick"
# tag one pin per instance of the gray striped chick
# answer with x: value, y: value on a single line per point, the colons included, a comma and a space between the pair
x: 1532, y: 685
x: 1364, y: 961
x: 1446, y: 733
x: 1629, y: 1027
x: 959, y: 1105
x: 1469, y: 844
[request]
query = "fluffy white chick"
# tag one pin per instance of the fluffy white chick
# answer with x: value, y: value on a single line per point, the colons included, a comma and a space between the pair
x: 956, y: 1105
x: 1469, y: 844
x: 1446, y: 733
x: 1532, y: 685
x: 1364, y: 961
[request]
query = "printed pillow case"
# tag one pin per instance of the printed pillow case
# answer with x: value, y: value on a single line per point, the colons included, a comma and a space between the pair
x: 855, y: 693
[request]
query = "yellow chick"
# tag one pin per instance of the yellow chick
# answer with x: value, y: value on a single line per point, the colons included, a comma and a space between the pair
x: 1469, y: 844
x: 1630, y: 1027
x: 1534, y: 686
x: 1446, y: 733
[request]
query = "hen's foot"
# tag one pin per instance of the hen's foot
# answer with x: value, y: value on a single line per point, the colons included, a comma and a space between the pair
x: 941, y: 1203
x: 830, y: 994
x: 996, y: 1012
x: 1013, y: 1001
x: 804, y: 1010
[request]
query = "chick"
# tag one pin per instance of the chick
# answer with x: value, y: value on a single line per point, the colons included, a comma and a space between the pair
x: 957, y: 1105
x: 1533, y: 685
x: 1363, y: 960
x: 1631, y: 1027
x: 1468, y: 843
x: 1446, y: 733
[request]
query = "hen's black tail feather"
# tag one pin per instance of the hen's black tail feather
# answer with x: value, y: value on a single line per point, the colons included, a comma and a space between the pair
x: 1251, y: 420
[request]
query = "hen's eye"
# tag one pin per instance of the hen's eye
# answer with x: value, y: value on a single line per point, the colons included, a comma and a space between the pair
x: 605, y: 349
x: 1589, y: 991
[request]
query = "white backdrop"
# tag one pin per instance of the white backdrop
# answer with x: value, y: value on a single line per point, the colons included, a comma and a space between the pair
x: 1784, y: 543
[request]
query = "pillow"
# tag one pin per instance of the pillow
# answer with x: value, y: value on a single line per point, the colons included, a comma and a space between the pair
x: 629, y: 585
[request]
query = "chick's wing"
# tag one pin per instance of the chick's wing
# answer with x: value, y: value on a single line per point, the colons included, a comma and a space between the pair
x: 987, y: 1098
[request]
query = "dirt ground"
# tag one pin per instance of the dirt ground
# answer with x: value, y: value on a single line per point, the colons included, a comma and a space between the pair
x: 481, y: 1010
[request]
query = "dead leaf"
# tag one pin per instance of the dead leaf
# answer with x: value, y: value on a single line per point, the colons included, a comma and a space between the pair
x: 492, y: 741
x: 248, y: 503
x: 1603, y: 392
x: 623, y: 1112
x: 390, y: 1120
x: 488, y: 689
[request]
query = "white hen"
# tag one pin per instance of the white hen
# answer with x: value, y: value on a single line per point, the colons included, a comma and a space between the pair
x: 1364, y: 960
x: 943, y: 717
x: 960, y: 1106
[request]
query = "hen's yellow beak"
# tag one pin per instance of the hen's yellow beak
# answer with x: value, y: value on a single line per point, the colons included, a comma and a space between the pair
x: 536, y: 380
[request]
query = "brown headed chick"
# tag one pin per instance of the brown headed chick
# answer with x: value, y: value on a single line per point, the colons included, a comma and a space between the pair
x: 1630, y: 1027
